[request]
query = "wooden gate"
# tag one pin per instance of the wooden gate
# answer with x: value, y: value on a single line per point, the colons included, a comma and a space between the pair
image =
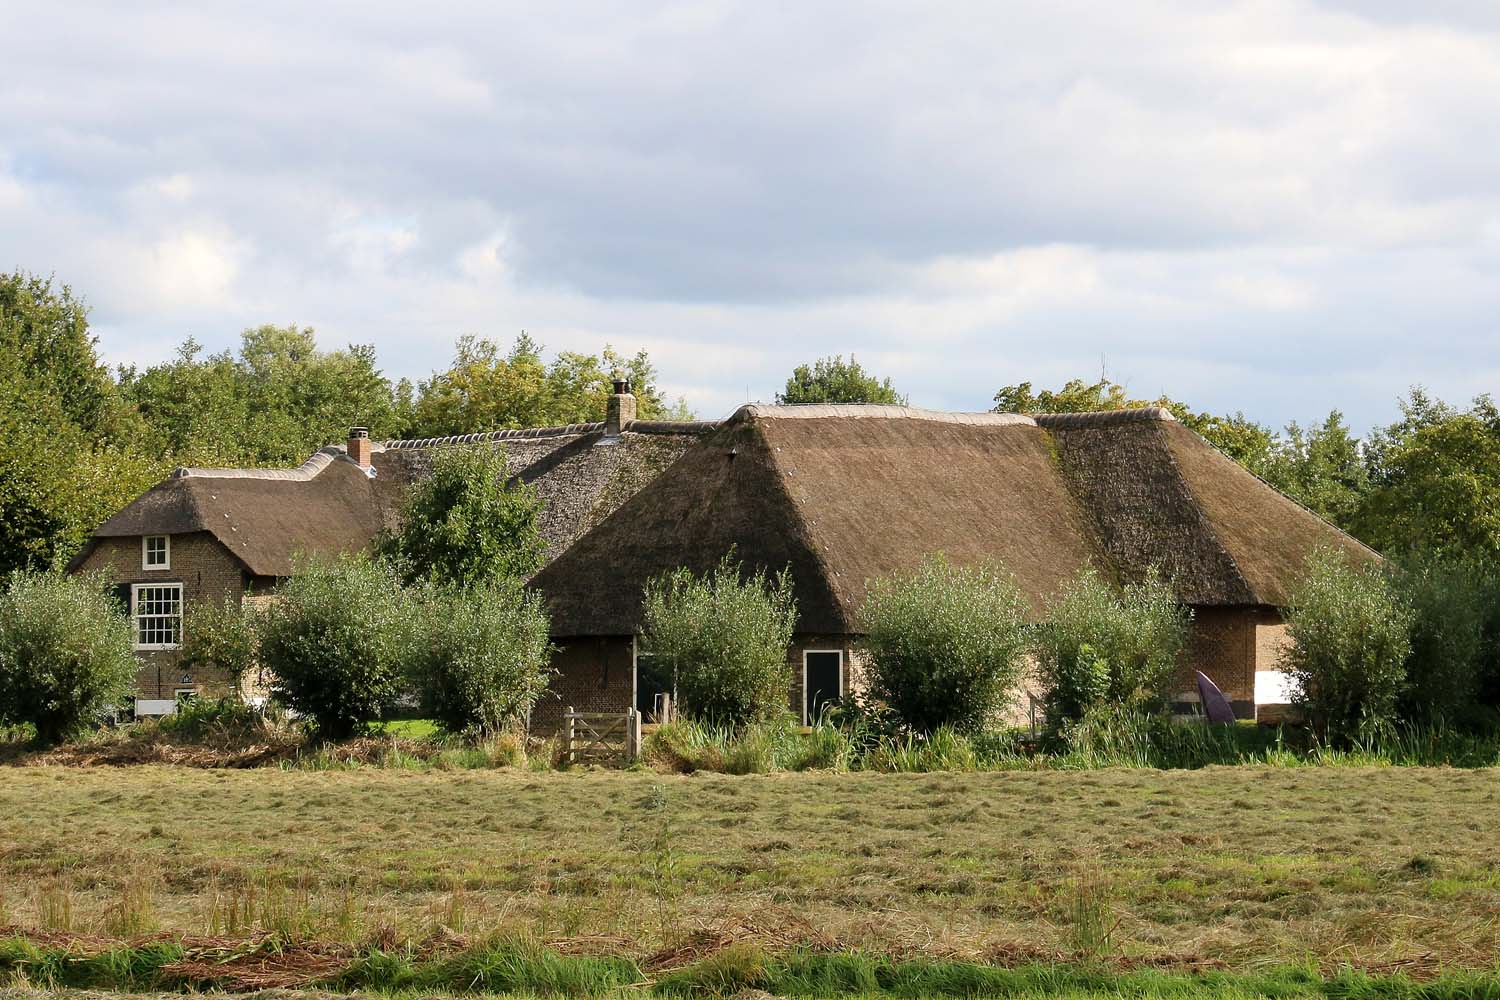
x: 601, y: 737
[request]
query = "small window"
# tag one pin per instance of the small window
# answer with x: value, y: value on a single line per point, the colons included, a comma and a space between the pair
x: 156, y: 552
x: 184, y: 695
x: 822, y: 682
x: 156, y: 609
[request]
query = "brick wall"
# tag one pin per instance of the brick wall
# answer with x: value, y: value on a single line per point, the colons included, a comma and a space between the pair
x: 593, y: 675
x: 1223, y: 646
x: 207, y: 572
x: 597, y: 675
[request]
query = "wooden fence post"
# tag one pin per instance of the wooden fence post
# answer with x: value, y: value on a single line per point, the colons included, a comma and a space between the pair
x: 632, y: 735
x: 572, y: 733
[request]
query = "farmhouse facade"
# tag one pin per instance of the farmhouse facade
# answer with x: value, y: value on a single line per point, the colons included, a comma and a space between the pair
x: 839, y: 494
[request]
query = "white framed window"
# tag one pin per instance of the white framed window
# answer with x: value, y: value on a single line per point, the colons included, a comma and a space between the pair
x: 156, y: 609
x: 184, y: 695
x: 822, y: 682
x: 156, y: 552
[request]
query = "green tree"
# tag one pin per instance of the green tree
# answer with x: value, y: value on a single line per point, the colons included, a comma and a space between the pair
x: 724, y: 638
x: 1435, y: 480
x: 274, y: 403
x: 466, y: 523
x: 1450, y: 600
x: 832, y: 380
x: 1076, y: 396
x: 486, y: 389
x: 69, y: 445
x: 483, y: 661
x: 1103, y: 645
x: 1322, y: 468
x: 65, y: 653
x: 945, y: 643
x: 1350, y: 635
x: 336, y: 643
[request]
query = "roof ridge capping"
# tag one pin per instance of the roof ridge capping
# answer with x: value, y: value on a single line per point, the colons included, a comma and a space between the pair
x: 558, y: 430
x: 1104, y: 418
x: 814, y: 411
x: 309, y: 469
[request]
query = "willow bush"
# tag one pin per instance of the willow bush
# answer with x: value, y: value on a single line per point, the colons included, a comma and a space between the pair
x: 482, y: 660
x: 66, y: 653
x: 336, y: 642
x: 946, y: 644
x: 723, y: 637
x: 1107, y: 645
x: 1350, y: 633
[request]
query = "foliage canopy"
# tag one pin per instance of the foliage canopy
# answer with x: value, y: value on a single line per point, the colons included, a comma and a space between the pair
x: 1350, y: 635
x: 466, y: 524
x: 482, y: 660
x: 335, y: 642
x: 833, y: 380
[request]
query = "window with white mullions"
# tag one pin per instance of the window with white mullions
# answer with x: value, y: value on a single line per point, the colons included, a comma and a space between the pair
x: 156, y: 552
x: 157, y: 611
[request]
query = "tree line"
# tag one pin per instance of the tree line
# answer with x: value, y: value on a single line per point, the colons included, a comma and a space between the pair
x: 79, y: 440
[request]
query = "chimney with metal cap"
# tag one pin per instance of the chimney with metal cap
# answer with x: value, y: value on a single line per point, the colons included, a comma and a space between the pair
x: 359, y: 446
x: 620, y: 413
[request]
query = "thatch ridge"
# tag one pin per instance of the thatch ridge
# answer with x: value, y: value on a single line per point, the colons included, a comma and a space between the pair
x: 722, y: 494
x: 1141, y: 511
x: 511, y: 434
x: 875, y: 411
x: 302, y: 473
x: 1103, y: 418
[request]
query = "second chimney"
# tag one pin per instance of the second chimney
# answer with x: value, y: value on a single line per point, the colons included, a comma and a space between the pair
x: 359, y: 446
x: 621, y: 410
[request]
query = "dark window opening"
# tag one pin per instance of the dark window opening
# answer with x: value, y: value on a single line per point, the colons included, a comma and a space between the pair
x: 823, y: 683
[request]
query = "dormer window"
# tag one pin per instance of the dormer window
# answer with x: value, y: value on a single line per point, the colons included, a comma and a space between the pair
x: 156, y: 552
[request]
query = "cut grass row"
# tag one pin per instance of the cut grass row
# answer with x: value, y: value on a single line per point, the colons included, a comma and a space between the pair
x: 1375, y: 868
x: 520, y: 967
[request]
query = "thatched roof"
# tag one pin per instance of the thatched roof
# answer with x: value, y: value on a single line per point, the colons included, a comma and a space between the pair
x: 840, y: 494
x: 268, y: 518
x: 843, y: 494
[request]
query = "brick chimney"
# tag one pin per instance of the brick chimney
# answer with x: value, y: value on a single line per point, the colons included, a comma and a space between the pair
x: 621, y: 411
x: 359, y: 446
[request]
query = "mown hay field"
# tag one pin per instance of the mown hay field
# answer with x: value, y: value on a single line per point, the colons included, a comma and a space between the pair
x: 1383, y: 869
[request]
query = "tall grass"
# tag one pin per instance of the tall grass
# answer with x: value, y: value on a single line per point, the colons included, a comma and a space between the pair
x: 1109, y: 736
x: 778, y: 744
x: 522, y: 966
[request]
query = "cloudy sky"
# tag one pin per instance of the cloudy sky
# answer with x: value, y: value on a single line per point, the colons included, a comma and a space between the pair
x: 1274, y: 207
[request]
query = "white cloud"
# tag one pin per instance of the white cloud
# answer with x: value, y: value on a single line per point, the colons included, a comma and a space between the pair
x: 1269, y: 206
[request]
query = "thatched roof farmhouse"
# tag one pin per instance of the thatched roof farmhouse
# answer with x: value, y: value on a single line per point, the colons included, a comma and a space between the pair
x: 840, y: 494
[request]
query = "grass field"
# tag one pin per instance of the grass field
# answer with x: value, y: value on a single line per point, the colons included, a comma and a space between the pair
x: 1239, y: 868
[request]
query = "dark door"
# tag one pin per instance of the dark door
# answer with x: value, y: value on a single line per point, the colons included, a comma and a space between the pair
x: 824, y: 682
x: 650, y: 681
